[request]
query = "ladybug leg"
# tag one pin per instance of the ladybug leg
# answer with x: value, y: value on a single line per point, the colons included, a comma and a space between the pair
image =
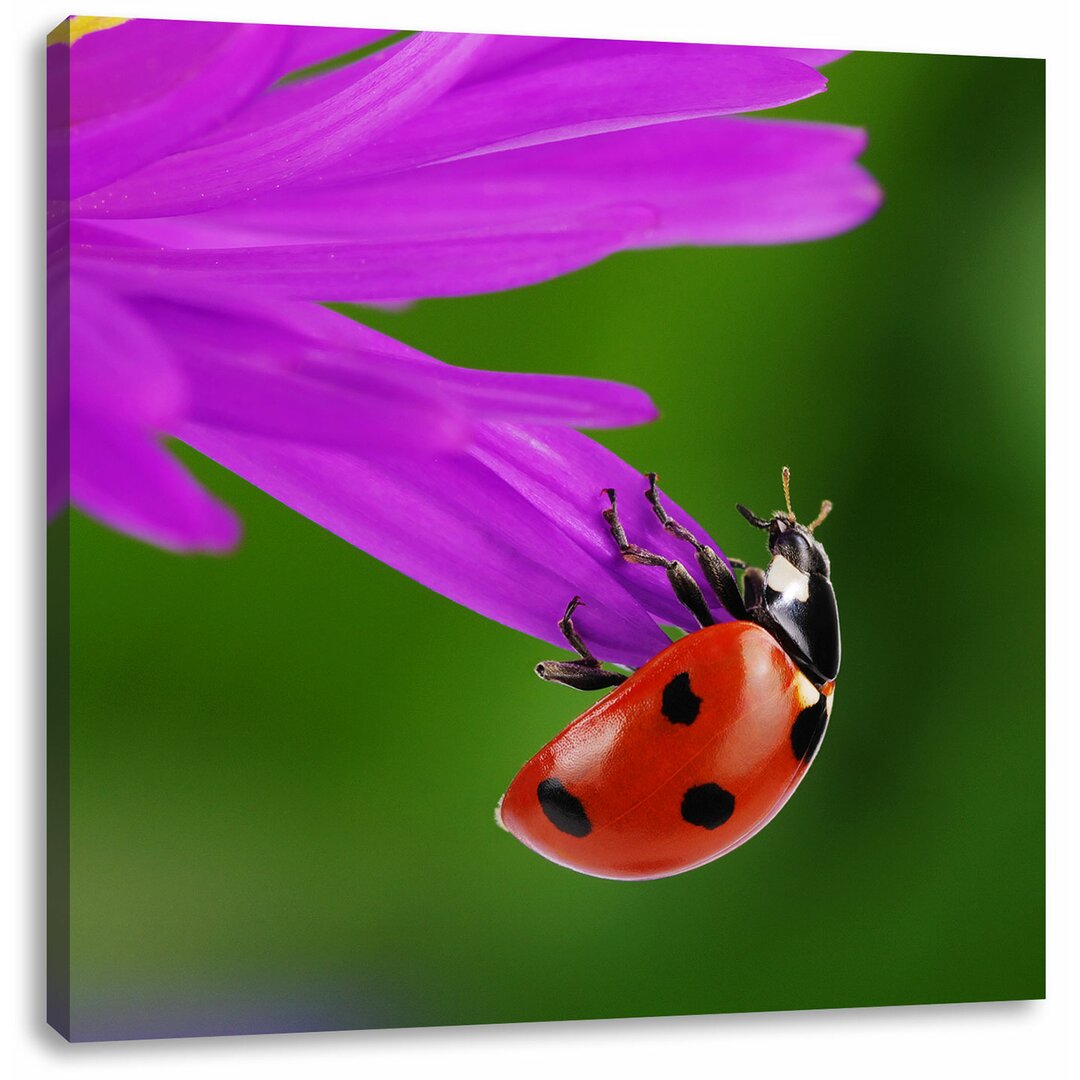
x: 686, y: 588
x: 569, y: 631
x: 583, y: 674
x: 716, y: 572
x: 753, y: 584
x: 578, y: 675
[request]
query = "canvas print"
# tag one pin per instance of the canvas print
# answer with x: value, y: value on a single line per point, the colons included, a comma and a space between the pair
x: 477, y: 466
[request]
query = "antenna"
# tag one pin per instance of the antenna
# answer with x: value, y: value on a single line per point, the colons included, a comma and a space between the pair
x: 823, y: 513
x: 785, y: 475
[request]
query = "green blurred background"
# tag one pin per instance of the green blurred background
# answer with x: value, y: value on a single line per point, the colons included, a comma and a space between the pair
x: 285, y: 762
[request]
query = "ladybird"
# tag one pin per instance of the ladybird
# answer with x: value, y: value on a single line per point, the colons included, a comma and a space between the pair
x: 697, y: 750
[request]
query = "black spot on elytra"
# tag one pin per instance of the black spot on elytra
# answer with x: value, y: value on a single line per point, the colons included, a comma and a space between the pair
x: 808, y: 729
x: 707, y: 805
x: 680, y: 704
x: 562, y: 809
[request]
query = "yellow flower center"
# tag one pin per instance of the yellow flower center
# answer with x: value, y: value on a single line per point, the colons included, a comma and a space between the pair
x: 69, y: 31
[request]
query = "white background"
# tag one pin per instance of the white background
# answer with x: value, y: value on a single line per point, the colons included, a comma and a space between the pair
x: 1019, y: 1039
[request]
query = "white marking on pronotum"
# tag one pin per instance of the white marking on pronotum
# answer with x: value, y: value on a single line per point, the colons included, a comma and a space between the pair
x: 785, y: 578
x: 498, y: 814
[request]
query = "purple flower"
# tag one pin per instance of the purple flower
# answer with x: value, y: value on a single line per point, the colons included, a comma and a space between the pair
x: 202, y: 205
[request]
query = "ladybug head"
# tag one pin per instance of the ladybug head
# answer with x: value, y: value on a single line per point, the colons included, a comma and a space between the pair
x: 797, y: 603
x: 788, y: 538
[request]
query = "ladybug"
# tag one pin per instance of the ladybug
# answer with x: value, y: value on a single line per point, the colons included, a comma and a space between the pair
x: 693, y: 753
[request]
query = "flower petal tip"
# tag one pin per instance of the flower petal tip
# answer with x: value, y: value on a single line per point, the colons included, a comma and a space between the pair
x: 216, y: 531
x: 224, y: 536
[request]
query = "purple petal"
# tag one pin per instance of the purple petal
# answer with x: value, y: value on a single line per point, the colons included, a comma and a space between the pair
x: 109, y: 396
x: 305, y: 373
x: 814, y: 57
x: 590, y: 95
x: 136, y: 62
x: 577, y: 49
x: 204, y: 92
x: 555, y: 400
x: 455, y: 527
x: 119, y: 367
x: 500, y: 53
x: 281, y: 102
x: 307, y: 141
x: 334, y: 384
x: 759, y: 182
x: 262, y: 376
x: 57, y: 390
x: 310, y: 45
x: 357, y: 271
x: 377, y: 416
x: 348, y: 354
x: 545, y: 400
x: 540, y: 156
x: 563, y: 474
x: 121, y: 477
x: 511, y: 530
x: 714, y: 181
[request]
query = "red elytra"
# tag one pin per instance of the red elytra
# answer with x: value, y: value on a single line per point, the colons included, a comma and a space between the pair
x: 687, y: 759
